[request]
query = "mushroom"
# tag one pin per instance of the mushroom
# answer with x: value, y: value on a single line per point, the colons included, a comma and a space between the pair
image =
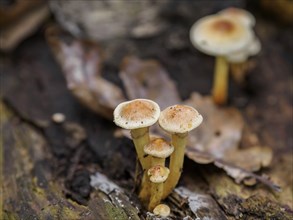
x: 162, y: 210
x: 178, y: 120
x: 158, y: 175
x: 159, y: 149
x: 240, y: 14
x: 137, y: 116
x: 220, y: 36
x: 238, y: 60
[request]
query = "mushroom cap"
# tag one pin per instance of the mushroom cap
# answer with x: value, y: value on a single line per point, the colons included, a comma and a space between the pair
x: 240, y: 14
x: 159, y: 147
x: 158, y: 174
x: 137, y: 113
x: 241, y: 56
x: 162, y: 210
x: 219, y: 36
x: 179, y: 119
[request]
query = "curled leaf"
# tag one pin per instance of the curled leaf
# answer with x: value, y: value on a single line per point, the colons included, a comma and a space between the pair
x: 81, y: 63
x: 221, y: 130
x: 148, y: 79
x: 218, y: 139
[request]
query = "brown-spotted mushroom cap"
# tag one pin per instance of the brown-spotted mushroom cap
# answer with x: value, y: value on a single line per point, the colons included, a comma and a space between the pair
x: 241, y: 56
x: 219, y: 36
x: 240, y: 14
x: 137, y: 113
x: 179, y: 119
x: 162, y: 210
x: 159, y: 147
x: 158, y: 174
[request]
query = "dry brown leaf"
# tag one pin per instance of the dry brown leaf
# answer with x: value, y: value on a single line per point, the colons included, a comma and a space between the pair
x: 81, y: 63
x: 218, y: 139
x: 258, y: 157
x: 148, y: 79
x: 221, y: 129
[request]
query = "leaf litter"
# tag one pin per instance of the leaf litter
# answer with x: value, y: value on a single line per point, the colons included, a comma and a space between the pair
x: 216, y: 141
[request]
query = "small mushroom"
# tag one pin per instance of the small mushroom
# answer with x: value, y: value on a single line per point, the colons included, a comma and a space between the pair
x: 162, y: 210
x: 158, y: 175
x: 220, y: 36
x: 137, y: 116
x: 178, y: 120
x: 240, y: 14
x: 159, y: 149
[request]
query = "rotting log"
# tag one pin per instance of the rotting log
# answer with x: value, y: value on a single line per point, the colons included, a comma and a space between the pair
x: 30, y: 190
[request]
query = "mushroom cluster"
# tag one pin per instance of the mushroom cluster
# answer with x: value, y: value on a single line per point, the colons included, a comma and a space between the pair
x: 228, y: 36
x: 159, y: 177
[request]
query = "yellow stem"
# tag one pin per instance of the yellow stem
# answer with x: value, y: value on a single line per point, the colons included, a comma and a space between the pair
x: 238, y: 71
x: 157, y: 161
x: 140, y: 137
x: 176, y: 163
x: 220, y: 87
x: 156, y: 195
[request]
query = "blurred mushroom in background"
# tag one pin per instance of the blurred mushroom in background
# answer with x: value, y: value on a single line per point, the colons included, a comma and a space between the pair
x: 238, y: 60
x: 220, y: 36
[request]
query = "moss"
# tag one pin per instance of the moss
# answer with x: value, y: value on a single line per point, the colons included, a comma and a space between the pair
x: 115, y: 212
x: 263, y: 208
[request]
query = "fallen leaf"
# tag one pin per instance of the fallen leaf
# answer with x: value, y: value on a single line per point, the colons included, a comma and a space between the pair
x: 221, y: 129
x: 148, y: 79
x: 81, y: 62
x: 218, y: 139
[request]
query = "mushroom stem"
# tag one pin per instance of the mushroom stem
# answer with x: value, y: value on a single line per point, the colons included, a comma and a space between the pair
x: 176, y: 162
x: 238, y: 71
x: 145, y: 190
x: 220, y: 87
x: 157, y: 161
x: 140, y: 137
x: 156, y: 195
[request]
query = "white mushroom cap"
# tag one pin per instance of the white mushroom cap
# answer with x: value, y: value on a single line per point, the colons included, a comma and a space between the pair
x: 240, y: 14
x: 219, y: 36
x: 137, y: 113
x: 255, y: 47
x: 179, y: 119
x: 159, y: 147
x: 158, y: 174
x: 241, y: 56
x: 162, y: 210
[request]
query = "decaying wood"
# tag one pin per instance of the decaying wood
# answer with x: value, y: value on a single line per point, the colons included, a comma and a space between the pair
x: 30, y: 188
